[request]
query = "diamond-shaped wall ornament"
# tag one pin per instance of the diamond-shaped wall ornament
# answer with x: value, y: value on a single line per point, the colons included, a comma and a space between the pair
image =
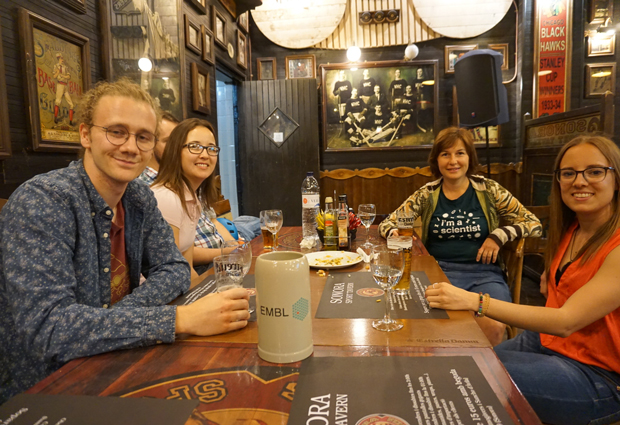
x: 278, y: 127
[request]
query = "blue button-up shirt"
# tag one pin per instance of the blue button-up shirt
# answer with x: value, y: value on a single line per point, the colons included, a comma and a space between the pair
x: 55, y: 276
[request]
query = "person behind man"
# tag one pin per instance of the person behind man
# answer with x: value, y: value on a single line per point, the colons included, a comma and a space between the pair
x: 74, y: 242
x: 166, y: 125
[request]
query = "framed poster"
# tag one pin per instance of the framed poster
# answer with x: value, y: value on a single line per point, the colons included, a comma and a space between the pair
x: 242, y: 59
x: 300, y: 66
x: 78, y: 6
x: 266, y: 68
x: 201, y: 89
x: 192, y: 36
x: 503, y: 49
x: 208, y: 46
x: 219, y: 27
x: 5, y: 133
x: 453, y: 53
x: 600, y: 11
x: 387, y: 105
x: 57, y: 66
x: 601, y: 45
x: 200, y: 5
x: 230, y: 6
x: 600, y: 77
x: 244, y: 21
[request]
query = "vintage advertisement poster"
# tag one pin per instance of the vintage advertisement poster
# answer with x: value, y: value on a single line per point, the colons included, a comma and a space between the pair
x: 552, y: 47
x: 59, y: 78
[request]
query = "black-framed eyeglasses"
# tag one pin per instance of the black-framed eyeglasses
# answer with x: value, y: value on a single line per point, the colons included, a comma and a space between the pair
x: 118, y: 135
x: 197, y: 148
x: 591, y: 174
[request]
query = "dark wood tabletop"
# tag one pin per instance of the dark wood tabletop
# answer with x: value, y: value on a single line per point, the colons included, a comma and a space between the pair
x: 234, y: 385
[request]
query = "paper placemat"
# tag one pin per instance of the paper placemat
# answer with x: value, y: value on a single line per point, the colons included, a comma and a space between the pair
x: 357, y: 296
x: 207, y: 286
x: 395, y: 390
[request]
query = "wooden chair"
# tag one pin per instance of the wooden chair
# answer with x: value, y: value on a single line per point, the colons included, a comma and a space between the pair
x: 537, y: 246
x: 2, y: 202
x: 512, y: 254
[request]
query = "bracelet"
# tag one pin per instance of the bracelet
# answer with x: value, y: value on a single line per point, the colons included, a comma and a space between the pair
x: 487, y: 302
x: 479, y: 313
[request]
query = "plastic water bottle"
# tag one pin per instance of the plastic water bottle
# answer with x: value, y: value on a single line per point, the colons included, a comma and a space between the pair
x: 310, y: 201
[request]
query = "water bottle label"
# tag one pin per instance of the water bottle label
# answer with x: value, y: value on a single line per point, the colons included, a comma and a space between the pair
x: 310, y: 201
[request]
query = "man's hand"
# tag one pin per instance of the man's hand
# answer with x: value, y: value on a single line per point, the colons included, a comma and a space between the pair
x: 488, y: 251
x: 214, y: 314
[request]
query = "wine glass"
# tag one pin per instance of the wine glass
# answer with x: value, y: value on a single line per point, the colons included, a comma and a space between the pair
x: 367, y: 214
x: 273, y: 222
x: 387, y: 267
x: 242, y: 248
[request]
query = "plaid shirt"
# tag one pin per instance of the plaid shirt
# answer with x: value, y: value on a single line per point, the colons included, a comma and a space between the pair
x: 207, y: 235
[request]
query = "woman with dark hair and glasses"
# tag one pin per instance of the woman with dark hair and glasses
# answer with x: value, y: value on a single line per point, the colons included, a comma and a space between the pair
x: 460, y: 214
x: 186, y: 180
x: 567, y: 362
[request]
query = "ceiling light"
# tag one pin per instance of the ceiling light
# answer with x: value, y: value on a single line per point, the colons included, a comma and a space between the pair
x: 411, y: 52
x: 353, y: 53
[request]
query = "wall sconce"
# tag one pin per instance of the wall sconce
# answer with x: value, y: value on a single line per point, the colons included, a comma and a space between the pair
x: 411, y: 52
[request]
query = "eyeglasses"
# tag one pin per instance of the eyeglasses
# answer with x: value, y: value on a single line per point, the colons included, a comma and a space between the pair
x: 591, y: 174
x: 118, y: 135
x: 197, y: 148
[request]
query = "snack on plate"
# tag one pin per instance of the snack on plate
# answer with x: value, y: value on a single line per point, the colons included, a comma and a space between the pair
x: 321, y: 273
x: 332, y: 260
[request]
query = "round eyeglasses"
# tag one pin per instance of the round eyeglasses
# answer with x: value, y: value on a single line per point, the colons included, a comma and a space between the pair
x: 119, y: 135
x: 197, y: 148
x: 591, y: 174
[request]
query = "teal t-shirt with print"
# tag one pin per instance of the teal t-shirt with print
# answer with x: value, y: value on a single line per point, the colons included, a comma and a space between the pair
x: 457, y: 228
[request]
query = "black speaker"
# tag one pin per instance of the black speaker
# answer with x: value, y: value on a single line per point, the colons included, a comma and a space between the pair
x: 481, y: 95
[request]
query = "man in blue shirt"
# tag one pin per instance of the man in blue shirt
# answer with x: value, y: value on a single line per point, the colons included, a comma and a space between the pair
x: 74, y: 241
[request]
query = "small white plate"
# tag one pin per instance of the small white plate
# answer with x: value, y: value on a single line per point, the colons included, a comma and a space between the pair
x: 326, y: 259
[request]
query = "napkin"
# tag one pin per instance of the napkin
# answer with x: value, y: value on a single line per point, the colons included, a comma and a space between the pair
x: 364, y: 256
x: 307, y: 243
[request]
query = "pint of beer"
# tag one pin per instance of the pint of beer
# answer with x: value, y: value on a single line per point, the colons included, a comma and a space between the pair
x: 405, y: 222
x: 269, y: 241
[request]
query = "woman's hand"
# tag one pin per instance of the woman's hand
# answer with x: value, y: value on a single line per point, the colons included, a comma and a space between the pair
x: 448, y: 297
x: 488, y: 251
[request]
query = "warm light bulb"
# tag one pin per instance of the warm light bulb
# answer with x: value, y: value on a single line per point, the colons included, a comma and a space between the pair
x: 145, y: 64
x: 353, y: 53
x: 411, y: 52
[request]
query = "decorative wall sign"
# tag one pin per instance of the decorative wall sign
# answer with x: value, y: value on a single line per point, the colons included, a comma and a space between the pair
x: 201, y: 89
x: 242, y: 59
x: 266, y: 68
x: 503, y: 49
x: 300, y: 66
x: 601, y: 45
x: 390, y: 16
x: 200, y: 5
x: 192, y: 36
x: 219, y: 26
x: 77, y: 5
x: 600, y: 11
x: 5, y: 134
x: 57, y: 65
x: 208, y: 45
x: 600, y: 77
x: 453, y: 53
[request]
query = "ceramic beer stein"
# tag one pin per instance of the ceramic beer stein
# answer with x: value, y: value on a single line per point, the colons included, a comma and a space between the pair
x: 283, y: 307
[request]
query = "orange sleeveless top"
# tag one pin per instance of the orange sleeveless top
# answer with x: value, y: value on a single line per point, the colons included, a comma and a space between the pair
x: 597, y: 344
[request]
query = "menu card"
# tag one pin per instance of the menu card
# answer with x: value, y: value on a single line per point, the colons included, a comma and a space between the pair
x: 357, y: 296
x: 207, y: 286
x: 396, y: 391
x: 31, y: 409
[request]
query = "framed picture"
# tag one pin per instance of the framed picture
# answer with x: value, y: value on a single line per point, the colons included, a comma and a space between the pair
x: 600, y: 77
x: 219, y: 27
x: 230, y: 6
x: 208, y: 46
x: 57, y: 66
x: 601, y: 45
x: 200, y: 5
x: 453, y: 53
x: 5, y: 133
x: 600, y: 11
x: 503, y: 49
x: 166, y: 90
x: 387, y: 105
x: 201, y: 89
x: 192, y: 36
x: 242, y: 59
x: 300, y: 66
x: 244, y: 21
x: 78, y: 6
x: 266, y: 68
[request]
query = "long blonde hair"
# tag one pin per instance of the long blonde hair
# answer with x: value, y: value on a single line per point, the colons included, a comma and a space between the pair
x: 561, y: 217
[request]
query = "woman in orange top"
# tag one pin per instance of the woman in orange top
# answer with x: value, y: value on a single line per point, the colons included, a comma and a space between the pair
x: 567, y: 362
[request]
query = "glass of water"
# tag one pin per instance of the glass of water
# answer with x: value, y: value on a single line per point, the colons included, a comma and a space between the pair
x: 386, y: 266
x: 367, y: 213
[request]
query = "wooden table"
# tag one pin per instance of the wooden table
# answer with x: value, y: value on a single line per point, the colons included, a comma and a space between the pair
x: 235, y: 386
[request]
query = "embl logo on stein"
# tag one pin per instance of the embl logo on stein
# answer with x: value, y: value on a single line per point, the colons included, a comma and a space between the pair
x: 300, y: 310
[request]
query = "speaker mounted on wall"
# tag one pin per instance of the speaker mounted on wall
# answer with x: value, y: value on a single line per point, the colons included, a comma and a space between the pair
x: 390, y: 16
x: 481, y: 96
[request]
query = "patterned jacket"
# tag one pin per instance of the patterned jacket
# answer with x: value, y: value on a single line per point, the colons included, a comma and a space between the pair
x: 496, y: 203
x: 55, y: 276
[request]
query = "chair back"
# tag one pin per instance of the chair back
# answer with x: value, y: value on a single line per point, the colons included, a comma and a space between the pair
x: 537, y: 246
x: 512, y: 253
x: 2, y: 202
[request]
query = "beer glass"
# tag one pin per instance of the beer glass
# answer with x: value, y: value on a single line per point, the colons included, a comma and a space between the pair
x: 270, y: 240
x: 228, y: 272
x: 405, y: 222
x: 242, y: 248
x: 272, y: 221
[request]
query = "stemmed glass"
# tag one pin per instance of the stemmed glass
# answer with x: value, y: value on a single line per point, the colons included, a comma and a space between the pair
x: 387, y: 267
x: 242, y: 248
x: 273, y: 222
x: 367, y: 214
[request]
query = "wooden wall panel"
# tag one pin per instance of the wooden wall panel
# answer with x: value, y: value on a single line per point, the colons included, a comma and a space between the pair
x: 272, y: 175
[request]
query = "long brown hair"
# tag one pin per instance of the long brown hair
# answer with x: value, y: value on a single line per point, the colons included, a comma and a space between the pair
x: 447, y: 138
x: 561, y: 217
x: 171, y: 171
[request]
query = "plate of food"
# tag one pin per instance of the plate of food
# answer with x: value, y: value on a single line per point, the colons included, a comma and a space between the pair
x: 333, y: 259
